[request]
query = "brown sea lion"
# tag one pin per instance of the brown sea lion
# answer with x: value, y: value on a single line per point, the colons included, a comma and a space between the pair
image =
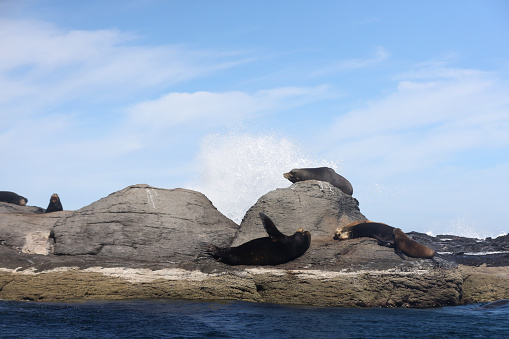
x: 54, y: 204
x: 322, y: 174
x: 275, y: 249
x: 387, y: 236
x: 13, y: 198
x: 410, y: 247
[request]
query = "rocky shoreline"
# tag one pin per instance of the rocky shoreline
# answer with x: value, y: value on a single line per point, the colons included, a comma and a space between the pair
x: 144, y: 242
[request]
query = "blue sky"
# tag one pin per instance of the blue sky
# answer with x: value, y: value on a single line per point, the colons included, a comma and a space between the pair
x: 407, y: 99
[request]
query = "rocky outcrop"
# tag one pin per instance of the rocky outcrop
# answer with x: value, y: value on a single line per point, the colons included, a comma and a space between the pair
x: 468, y: 251
x: 144, y: 223
x: 316, y: 206
x: 144, y: 242
x: 13, y: 208
x: 29, y: 233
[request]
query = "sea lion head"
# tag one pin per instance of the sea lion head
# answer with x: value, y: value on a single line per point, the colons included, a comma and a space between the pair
x: 305, y: 233
x: 291, y: 176
x: 343, y: 233
x: 303, y: 237
x: 54, y: 198
x: 23, y: 201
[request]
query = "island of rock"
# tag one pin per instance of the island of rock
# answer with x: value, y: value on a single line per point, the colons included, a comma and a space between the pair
x: 146, y: 242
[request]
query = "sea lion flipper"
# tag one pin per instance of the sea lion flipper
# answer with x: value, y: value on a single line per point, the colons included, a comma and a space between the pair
x: 401, y: 254
x: 209, y: 250
x: 270, y: 228
x: 385, y: 243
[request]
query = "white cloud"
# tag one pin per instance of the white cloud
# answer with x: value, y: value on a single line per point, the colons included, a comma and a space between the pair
x: 380, y: 55
x: 426, y: 122
x: 215, y: 109
x: 52, y: 66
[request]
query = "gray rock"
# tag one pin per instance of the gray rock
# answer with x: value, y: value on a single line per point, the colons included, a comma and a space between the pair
x: 316, y: 206
x: 29, y: 233
x: 143, y: 242
x: 13, y: 208
x: 142, y: 222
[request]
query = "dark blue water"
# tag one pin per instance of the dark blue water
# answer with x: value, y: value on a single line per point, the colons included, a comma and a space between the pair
x: 189, y: 319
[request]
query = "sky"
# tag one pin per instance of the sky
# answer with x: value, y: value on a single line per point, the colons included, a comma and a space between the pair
x: 408, y: 100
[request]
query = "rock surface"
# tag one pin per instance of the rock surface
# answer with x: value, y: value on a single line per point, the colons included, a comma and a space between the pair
x: 145, y: 223
x: 468, y: 251
x: 12, y: 208
x: 316, y: 206
x: 144, y: 242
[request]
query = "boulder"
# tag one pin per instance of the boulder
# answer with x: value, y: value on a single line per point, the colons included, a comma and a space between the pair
x: 316, y: 206
x: 145, y: 223
x: 29, y: 233
x: 13, y: 208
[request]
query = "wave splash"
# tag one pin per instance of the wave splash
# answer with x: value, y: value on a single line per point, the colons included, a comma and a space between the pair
x: 464, y: 228
x: 238, y: 168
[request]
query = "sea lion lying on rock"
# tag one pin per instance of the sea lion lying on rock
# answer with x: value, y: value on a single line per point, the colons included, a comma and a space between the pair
x: 13, y: 198
x: 386, y: 235
x: 322, y: 174
x: 275, y: 249
x: 54, y: 204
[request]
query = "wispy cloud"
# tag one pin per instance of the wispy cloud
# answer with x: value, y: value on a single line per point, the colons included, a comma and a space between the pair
x: 218, y: 108
x: 380, y: 55
x: 76, y: 112
x: 52, y: 65
x: 427, y: 119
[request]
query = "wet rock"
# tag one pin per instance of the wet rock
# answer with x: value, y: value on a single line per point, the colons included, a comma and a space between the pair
x: 467, y: 251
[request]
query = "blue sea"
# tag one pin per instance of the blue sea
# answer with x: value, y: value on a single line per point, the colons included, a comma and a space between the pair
x: 235, y: 319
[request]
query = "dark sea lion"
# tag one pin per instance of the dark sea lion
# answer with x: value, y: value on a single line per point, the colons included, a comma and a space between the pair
x: 365, y: 228
x: 13, y: 198
x: 275, y: 249
x: 322, y: 174
x: 387, y: 236
x: 54, y: 204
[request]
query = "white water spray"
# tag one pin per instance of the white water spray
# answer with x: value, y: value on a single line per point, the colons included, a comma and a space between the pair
x: 465, y: 228
x: 238, y: 168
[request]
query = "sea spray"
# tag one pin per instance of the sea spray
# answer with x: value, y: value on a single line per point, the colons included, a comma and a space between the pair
x: 462, y: 227
x: 238, y: 168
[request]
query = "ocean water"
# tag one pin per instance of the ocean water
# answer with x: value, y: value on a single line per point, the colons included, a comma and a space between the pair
x: 234, y: 319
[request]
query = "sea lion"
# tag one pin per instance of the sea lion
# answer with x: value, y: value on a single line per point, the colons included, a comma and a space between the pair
x: 410, y: 247
x: 386, y: 236
x: 365, y: 228
x: 13, y: 198
x: 322, y: 174
x: 54, y: 204
x: 275, y: 249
